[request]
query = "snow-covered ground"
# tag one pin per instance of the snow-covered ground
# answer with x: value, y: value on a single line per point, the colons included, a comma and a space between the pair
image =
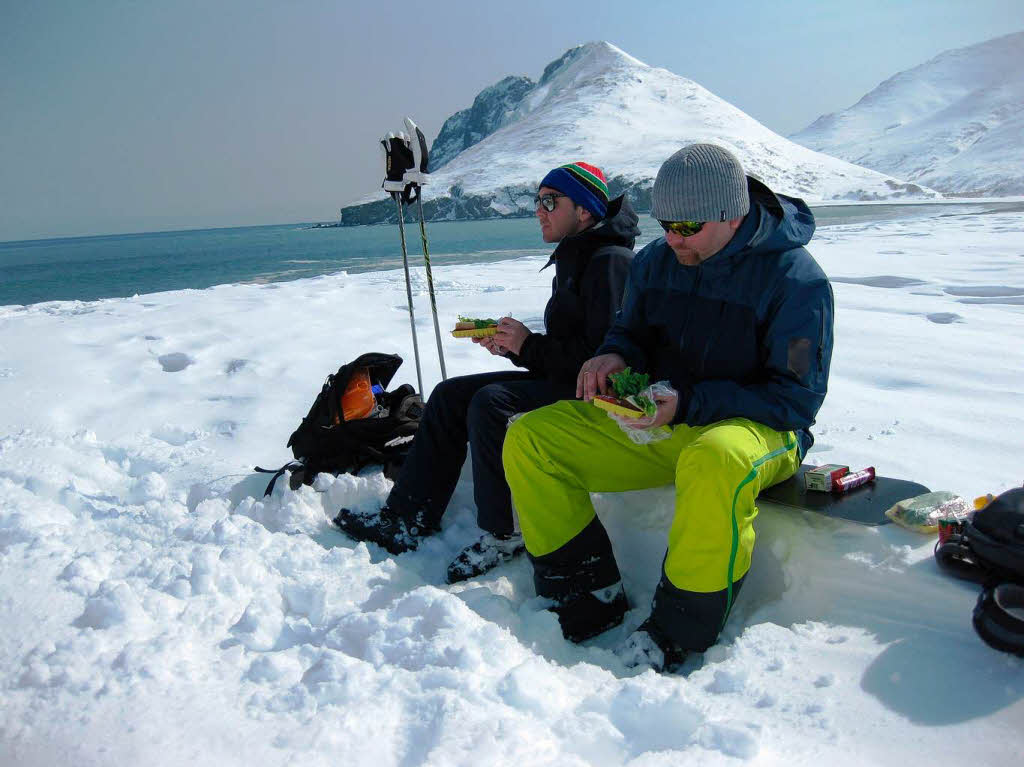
x: 157, y: 610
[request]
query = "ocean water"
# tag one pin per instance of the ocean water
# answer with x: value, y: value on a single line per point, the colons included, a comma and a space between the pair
x: 87, y: 268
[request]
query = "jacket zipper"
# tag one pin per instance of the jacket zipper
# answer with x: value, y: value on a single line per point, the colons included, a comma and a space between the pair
x: 821, y: 332
x: 689, y: 309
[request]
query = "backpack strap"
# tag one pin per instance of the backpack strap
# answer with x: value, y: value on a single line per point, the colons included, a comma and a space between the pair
x: 290, y: 466
x: 994, y: 620
x: 333, y: 403
x: 954, y: 555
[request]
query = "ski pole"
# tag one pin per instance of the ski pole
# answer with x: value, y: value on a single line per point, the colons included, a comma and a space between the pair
x: 430, y: 285
x: 416, y: 177
x: 408, y: 289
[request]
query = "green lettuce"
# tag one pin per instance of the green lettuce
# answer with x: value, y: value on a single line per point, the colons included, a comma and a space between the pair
x: 478, y: 323
x: 628, y: 385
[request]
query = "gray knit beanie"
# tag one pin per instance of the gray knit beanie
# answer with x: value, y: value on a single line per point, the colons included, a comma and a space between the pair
x: 700, y: 182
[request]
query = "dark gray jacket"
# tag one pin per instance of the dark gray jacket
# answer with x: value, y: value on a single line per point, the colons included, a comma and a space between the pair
x: 591, y: 270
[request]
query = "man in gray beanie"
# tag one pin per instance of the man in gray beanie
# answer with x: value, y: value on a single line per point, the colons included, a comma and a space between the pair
x: 733, y: 318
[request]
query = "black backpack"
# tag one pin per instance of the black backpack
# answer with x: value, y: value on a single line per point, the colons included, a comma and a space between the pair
x: 989, y: 549
x: 326, y: 442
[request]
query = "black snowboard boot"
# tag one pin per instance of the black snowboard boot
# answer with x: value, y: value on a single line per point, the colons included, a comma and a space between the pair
x: 586, y: 615
x: 388, y: 529
x: 649, y: 646
x: 485, y: 554
x: 583, y: 581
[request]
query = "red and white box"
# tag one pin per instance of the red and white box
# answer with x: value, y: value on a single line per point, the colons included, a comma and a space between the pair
x: 822, y: 478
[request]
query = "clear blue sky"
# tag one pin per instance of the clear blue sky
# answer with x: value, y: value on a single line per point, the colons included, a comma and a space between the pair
x: 141, y: 116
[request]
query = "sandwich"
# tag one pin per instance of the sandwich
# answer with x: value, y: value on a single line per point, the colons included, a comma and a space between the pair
x: 470, y: 327
x: 628, y: 400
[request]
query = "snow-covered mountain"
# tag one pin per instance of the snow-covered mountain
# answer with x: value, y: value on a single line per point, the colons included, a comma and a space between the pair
x: 955, y: 123
x: 599, y: 104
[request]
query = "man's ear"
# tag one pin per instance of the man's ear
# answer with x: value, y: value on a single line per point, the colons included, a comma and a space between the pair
x: 734, y: 223
x: 583, y: 216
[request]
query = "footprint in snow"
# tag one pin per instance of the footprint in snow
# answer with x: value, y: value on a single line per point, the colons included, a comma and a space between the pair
x: 174, y: 362
x: 175, y: 435
x: 881, y: 281
x: 984, y: 291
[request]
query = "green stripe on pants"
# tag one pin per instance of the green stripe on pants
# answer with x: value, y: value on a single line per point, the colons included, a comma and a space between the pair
x: 556, y: 456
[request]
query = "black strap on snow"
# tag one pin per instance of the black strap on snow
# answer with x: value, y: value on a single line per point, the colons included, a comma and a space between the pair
x: 954, y: 555
x: 994, y: 620
x: 290, y: 466
x: 988, y: 548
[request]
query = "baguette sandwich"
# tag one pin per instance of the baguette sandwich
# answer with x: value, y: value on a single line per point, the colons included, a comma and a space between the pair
x: 470, y: 327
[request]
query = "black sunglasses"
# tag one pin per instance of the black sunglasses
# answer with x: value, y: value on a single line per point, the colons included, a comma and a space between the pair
x: 682, y: 228
x: 548, y: 201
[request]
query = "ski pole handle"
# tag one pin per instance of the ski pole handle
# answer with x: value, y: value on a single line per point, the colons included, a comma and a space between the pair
x: 417, y: 174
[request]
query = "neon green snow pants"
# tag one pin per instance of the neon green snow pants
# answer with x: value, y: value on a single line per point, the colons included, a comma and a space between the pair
x: 555, y: 456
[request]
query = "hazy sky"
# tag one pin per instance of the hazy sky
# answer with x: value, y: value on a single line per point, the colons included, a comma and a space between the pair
x: 141, y: 116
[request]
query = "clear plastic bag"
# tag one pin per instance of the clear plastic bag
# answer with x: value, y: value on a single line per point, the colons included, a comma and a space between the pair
x: 922, y: 513
x: 639, y: 429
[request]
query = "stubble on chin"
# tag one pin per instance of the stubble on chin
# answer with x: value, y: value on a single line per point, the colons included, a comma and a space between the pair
x: 687, y: 257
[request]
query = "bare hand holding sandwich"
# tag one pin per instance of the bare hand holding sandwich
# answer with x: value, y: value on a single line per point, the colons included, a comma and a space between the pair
x: 593, y: 376
x: 491, y: 345
x: 667, y: 403
x: 511, y: 334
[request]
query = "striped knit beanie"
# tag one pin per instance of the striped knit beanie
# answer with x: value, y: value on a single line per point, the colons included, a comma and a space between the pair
x: 584, y: 184
x: 700, y: 182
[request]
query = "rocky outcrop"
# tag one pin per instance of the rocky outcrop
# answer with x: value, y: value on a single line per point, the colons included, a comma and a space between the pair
x: 491, y: 109
x: 507, y: 202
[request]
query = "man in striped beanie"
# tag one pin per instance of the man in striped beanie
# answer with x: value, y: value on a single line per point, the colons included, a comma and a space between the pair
x: 593, y: 238
x: 583, y: 183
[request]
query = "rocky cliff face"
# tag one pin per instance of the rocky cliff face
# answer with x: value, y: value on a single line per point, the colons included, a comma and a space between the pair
x: 491, y: 109
x: 599, y: 104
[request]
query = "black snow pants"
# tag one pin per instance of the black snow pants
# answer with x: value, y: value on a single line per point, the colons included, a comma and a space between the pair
x: 471, y: 409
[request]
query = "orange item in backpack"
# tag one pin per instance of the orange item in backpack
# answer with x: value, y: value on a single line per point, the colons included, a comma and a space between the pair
x: 358, y: 400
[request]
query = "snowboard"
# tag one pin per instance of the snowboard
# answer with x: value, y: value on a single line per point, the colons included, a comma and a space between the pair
x: 866, y: 504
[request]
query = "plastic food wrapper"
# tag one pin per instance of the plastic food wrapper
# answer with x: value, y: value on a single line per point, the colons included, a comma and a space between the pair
x: 922, y: 513
x: 639, y: 429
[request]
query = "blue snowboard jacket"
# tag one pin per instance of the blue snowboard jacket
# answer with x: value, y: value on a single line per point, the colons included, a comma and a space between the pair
x: 747, y: 333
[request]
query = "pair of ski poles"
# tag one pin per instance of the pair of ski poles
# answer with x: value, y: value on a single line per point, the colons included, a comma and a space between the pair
x: 403, y: 189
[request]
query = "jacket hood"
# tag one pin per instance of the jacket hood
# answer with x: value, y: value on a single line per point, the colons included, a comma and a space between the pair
x: 775, y: 222
x: 618, y: 227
